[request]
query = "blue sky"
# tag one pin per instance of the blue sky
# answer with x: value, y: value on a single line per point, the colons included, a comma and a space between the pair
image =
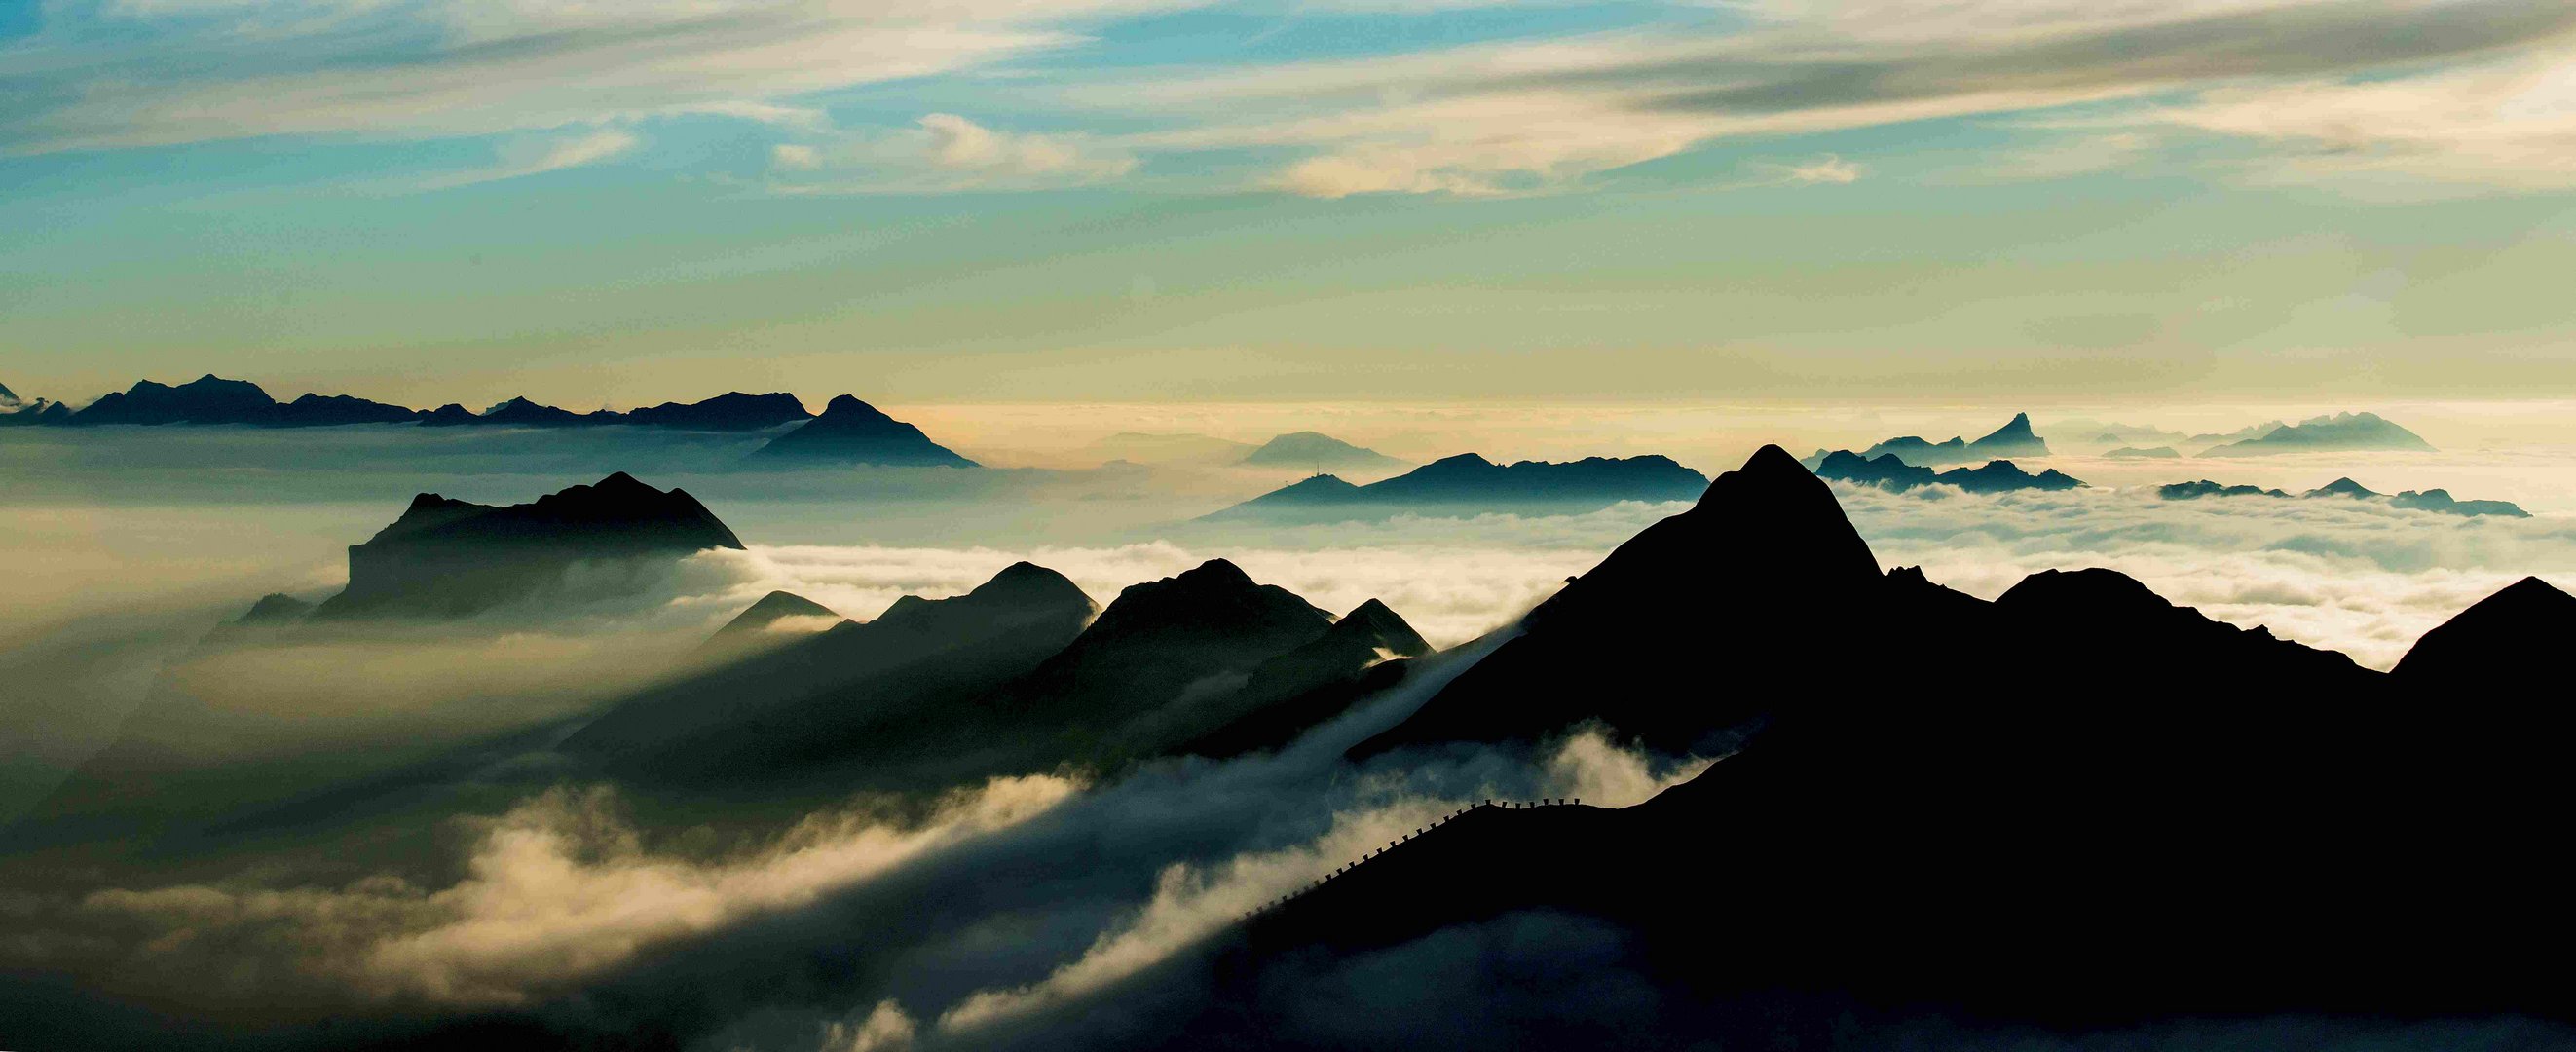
x: 432, y: 200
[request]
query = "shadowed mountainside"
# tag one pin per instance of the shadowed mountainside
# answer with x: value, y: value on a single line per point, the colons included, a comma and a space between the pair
x: 2251, y: 826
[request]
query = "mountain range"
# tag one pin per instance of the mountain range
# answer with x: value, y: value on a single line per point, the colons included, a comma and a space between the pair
x: 2433, y: 500
x: 1470, y: 484
x: 848, y: 432
x: 2342, y: 432
x: 2014, y: 439
x: 1888, y: 471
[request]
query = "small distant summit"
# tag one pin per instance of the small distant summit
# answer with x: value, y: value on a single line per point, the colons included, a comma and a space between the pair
x: 2342, y: 432
x: 1316, y: 451
x: 2135, y: 453
x: 2517, y: 635
x: 1470, y: 484
x: 8, y: 398
x: 773, y: 608
x: 853, y: 432
x: 1887, y: 471
x: 445, y: 557
x: 2438, y: 501
x: 2014, y: 439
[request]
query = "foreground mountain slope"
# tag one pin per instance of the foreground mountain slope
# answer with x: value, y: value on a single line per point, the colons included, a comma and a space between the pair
x: 2133, y: 813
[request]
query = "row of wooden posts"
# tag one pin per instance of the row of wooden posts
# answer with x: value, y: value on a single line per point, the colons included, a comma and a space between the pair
x: 1508, y: 805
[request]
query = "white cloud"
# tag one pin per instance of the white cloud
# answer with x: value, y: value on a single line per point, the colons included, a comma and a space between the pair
x: 1828, y: 170
x: 1190, y: 902
x: 539, y: 156
x: 2361, y: 577
x: 559, y: 889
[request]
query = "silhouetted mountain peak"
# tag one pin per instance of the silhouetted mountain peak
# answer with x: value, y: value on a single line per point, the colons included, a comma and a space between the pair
x: 2093, y: 589
x: 1376, y: 625
x: 2014, y: 430
x: 853, y: 432
x: 765, y: 614
x: 1316, y: 449
x: 2342, y: 487
x: 1210, y: 598
x: 446, y: 556
x: 275, y: 608
x: 2516, y: 635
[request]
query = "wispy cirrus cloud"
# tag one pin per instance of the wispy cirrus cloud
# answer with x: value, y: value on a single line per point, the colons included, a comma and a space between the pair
x: 163, y: 73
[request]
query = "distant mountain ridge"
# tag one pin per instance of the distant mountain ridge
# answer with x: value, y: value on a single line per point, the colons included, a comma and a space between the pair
x: 1890, y: 472
x: 2438, y: 501
x: 2014, y: 439
x: 1468, y: 482
x: 213, y: 400
x: 2342, y: 432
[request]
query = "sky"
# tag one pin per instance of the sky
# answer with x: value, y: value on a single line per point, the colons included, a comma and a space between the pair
x: 1142, y: 201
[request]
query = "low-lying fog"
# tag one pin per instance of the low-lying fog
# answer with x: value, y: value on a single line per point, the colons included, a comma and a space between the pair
x: 507, y: 893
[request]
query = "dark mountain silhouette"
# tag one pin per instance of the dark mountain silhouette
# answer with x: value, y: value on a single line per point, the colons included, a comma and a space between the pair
x: 751, y: 629
x: 8, y: 398
x: 312, y: 410
x: 449, y: 415
x: 1763, y: 557
x: 1155, y: 643
x: 1468, y: 483
x: 1007, y: 679
x: 2512, y: 636
x: 520, y: 412
x: 2438, y: 501
x: 2078, y: 850
x: 1889, y: 472
x: 39, y: 413
x: 1286, y: 695
x: 206, y: 400
x: 2135, y: 453
x: 2340, y: 432
x: 839, y: 703
x: 853, y: 432
x: 2014, y: 439
x: 731, y: 411
x: 1316, y: 451
x: 446, y: 558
